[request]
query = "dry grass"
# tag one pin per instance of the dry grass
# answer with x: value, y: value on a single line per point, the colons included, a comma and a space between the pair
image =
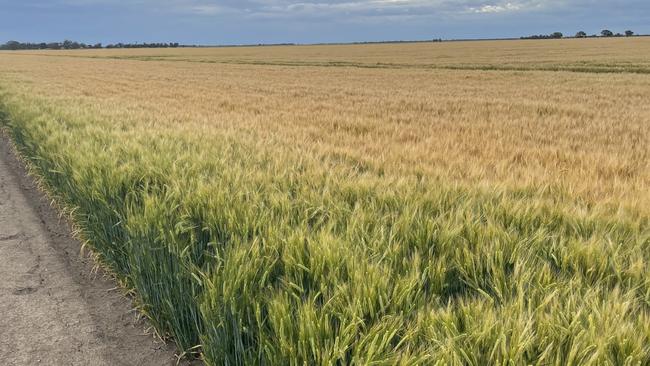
x: 531, y: 184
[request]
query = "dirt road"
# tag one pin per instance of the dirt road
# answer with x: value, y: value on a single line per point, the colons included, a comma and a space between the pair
x: 53, y: 311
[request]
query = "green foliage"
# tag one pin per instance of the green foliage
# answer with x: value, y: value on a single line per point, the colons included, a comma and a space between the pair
x: 261, y: 255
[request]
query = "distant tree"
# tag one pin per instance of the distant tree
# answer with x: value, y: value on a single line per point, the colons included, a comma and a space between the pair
x: 72, y: 45
x: 607, y: 33
x: 618, y: 35
x: 12, y: 45
x: 581, y: 34
x: 629, y: 33
x: 554, y: 35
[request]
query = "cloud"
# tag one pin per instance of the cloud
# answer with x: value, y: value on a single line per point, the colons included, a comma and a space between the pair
x: 206, y: 9
x: 497, y: 8
x: 331, y: 9
x: 253, y: 21
x: 358, y: 8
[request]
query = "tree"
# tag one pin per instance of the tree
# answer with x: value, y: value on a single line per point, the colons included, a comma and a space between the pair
x: 556, y: 35
x: 629, y: 33
x: 71, y: 45
x: 607, y: 33
x: 12, y: 45
x: 581, y: 34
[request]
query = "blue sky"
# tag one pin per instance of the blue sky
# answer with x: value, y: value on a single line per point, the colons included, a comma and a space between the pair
x: 309, y: 21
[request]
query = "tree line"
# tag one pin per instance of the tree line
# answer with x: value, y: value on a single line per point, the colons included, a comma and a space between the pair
x: 581, y: 34
x: 72, y: 45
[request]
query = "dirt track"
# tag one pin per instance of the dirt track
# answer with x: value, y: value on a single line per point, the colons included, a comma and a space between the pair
x: 53, y: 311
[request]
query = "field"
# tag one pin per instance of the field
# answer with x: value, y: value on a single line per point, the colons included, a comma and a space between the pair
x: 431, y: 203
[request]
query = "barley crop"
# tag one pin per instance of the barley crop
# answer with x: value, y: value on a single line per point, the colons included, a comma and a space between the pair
x: 457, y: 203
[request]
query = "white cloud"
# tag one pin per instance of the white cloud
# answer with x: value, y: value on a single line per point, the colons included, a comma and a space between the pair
x: 497, y: 8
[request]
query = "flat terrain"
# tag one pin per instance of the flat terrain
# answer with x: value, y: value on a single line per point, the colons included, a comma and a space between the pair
x: 461, y: 203
x: 54, y: 311
x: 577, y: 55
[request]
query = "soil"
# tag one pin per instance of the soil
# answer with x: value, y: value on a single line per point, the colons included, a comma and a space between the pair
x: 54, y: 308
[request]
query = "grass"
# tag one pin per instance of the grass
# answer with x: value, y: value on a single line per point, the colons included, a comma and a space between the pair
x: 332, y: 215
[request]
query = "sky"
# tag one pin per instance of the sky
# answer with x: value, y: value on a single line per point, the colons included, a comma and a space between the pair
x: 215, y: 22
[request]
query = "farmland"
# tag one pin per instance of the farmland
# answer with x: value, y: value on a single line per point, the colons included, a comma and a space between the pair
x: 452, y: 203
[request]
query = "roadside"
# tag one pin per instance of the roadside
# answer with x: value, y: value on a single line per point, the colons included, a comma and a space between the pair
x: 54, y: 310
